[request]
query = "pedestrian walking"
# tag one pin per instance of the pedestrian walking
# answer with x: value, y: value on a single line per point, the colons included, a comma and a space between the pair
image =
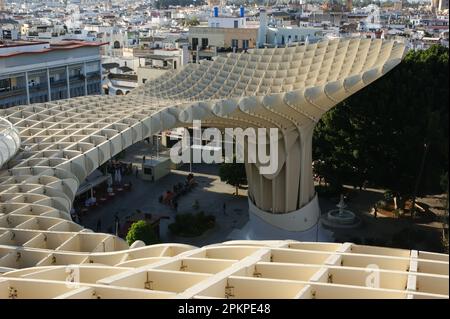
x: 137, y: 171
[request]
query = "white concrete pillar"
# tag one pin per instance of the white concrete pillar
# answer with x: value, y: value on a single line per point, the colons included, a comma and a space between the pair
x: 101, y: 76
x: 48, y: 85
x: 68, y: 81
x: 85, y: 78
x: 198, y: 55
x: 292, y: 186
x: 27, y: 88
x: 262, y: 31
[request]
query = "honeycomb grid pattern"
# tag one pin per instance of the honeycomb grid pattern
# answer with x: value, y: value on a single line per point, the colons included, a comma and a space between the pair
x: 240, y: 270
x: 290, y: 88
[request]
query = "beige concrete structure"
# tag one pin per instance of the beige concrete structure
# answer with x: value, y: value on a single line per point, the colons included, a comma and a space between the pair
x: 9, y: 141
x: 239, y: 269
x: 287, y: 88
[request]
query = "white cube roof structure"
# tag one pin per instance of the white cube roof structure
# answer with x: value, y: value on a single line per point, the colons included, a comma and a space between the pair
x: 288, y: 88
x: 9, y: 141
x: 233, y: 270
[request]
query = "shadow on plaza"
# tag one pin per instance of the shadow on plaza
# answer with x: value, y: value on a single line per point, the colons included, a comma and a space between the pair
x: 210, y: 194
x: 387, y: 231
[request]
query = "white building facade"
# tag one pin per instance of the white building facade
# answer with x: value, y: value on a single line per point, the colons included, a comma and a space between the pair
x: 33, y: 72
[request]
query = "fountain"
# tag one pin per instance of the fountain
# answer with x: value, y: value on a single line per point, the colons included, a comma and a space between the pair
x: 341, y: 217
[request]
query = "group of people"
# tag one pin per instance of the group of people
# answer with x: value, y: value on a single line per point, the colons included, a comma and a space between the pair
x: 170, y: 197
x: 98, y: 195
x: 117, y: 167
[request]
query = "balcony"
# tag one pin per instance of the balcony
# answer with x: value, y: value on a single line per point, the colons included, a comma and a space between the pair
x: 77, y: 79
x: 12, y: 93
x: 38, y: 88
x: 59, y: 83
x: 93, y: 76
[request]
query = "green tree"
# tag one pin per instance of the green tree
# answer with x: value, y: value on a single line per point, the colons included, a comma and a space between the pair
x: 444, y: 186
x: 141, y: 230
x: 233, y: 174
x: 192, y: 225
x: 191, y: 22
x: 379, y: 134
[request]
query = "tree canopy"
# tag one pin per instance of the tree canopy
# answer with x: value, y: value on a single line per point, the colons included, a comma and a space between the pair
x: 192, y: 225
x: 141, y: 230
x: 380, y: 134
x: 190, y: 22
x: 233, y: 174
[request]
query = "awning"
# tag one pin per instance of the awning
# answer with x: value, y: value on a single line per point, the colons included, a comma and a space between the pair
x: 87, y: 186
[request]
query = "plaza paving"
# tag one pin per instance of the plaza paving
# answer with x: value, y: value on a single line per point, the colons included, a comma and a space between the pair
x: 210, y: 192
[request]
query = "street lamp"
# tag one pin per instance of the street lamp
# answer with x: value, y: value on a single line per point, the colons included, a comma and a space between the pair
x: 157, y: 146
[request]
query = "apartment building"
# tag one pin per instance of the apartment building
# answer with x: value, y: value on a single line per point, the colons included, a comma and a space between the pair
x: 223, y: 33
x: 36, y: 71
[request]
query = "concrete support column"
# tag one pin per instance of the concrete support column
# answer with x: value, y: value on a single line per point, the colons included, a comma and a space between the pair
x: 27, y: 88
x: 68, y: 81
x: 198, y: 54
x: 101, y: 76
x: 85, y: 78
x: 284, y: 225
x: 306, y: 191
x: 291, y: 188
x: 48, y: 85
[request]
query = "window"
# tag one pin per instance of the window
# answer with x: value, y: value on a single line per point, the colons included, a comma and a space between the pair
x: 5, y: 85
x: 245, y: 44
x: 236, y: 23
x: 204, y: 43
x: 234, y: 43
x: 194, y: 43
